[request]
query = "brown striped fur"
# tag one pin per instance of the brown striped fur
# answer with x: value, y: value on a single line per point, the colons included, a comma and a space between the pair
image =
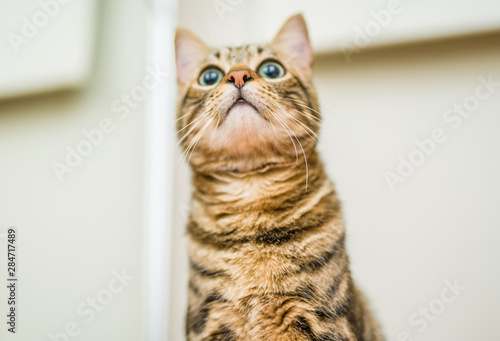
x: 267, y: 252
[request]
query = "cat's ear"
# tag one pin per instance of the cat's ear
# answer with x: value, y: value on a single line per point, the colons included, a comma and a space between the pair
x: 293, y: 40
x: 190, y: 51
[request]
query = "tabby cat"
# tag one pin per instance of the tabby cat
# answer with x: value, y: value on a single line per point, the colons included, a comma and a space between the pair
x: 267, y: 254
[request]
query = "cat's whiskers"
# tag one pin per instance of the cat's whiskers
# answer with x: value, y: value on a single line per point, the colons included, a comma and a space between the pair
x: 200, y: 134
x: 215, y: 128
x: 324, y: 105
x: 302, y: 104
x: 314, y: 137
x: 192, y: 145
x: 199, y: 120
x: 218, y: 121
x: 283, y: 123
x: 197, y: 136
x: 180, y: 118
x: 274, y: 128
x: 300, y: 144
x: 203, y: 115
x: 285, y: 128
x: 308, y: 116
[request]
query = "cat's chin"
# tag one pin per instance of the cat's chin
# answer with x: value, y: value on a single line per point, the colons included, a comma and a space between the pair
x: 242, y: 117
x: 242, y: 109
x: 242, y: 131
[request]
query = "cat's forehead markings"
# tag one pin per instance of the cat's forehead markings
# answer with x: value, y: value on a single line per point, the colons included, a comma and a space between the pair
x: 237, y: 55
x: 228, y: 56
x: 223, y: 53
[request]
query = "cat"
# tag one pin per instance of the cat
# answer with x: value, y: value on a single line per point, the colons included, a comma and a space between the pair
x: 266, y: 233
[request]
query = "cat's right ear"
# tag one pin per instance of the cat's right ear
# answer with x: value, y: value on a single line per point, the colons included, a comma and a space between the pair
x: 190, y: 51
x: 293, y: 41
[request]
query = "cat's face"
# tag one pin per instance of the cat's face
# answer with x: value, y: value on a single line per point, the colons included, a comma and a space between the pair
x: 249, y: 106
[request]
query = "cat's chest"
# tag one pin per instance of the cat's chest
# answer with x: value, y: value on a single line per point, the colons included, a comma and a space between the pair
x: 263, y: 271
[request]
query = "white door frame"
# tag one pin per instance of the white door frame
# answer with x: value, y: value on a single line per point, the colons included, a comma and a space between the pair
x: 159, y: 173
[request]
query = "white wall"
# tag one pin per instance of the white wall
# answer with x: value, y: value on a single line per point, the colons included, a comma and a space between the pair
x: 340, y: 25
x: 73, y: 233
x: 441, y: 224
x: 48, y: 45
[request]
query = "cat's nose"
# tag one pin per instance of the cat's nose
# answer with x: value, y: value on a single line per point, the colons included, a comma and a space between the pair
x: 239, y: 77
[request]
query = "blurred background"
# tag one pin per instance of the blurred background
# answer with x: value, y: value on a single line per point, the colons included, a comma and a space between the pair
x: 91, y: 178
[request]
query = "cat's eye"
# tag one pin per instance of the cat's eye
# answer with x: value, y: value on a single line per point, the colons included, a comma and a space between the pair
x: 271, y: 70
x: 210, y: 76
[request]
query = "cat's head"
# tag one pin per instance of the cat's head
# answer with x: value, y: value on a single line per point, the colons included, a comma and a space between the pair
x: 245, y: 107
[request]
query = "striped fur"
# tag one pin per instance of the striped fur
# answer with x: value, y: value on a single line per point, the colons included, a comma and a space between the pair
x: 267, y: 240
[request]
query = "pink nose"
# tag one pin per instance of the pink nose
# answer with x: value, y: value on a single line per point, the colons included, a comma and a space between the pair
x: 239, y: 77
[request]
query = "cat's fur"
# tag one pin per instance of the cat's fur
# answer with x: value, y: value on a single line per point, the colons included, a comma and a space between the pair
x: 267, y: 254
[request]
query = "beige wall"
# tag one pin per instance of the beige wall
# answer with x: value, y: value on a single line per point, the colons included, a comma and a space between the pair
x: 73, y: 233
x: 441, y: 224
x: 437, y: 228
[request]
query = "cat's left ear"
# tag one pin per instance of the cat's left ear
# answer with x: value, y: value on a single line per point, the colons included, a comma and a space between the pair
x: 190, y: 51
x: 293, y: 41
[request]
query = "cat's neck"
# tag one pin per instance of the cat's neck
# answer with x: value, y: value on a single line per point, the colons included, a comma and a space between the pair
x: 239, y: 204
x: 264, y: 187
